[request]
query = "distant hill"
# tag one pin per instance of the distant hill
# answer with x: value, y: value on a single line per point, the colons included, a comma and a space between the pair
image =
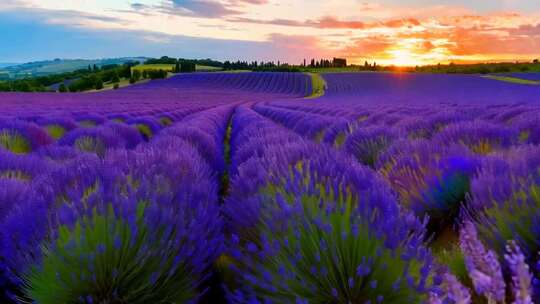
x: 48, y: 67
x: 6, y: 64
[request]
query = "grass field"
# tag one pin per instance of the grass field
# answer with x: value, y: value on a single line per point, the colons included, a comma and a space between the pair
x: 318, y: 85
x: 513, y: 80
x: 206, y: 68
x: 142, y: 67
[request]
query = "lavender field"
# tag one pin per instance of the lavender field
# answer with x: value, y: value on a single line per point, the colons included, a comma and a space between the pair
x: 235, y: 188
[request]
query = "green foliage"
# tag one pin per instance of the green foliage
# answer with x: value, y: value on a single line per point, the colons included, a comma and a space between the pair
x: 187, y: 67
x: 203, y: 62
x: 115, y: 78
x: 284, y: 68
x: 318, y: 85
x: 503, y: 221
x: 337, y: 252
x: 52, y: 68
x: 144, y: 130
x: 90, y: 144
x: 98, y: 84
x: 159, y: 74
x: 162, y: 60
x: 455, y: 261
x: 513, y: 80
x: 165, y: 121
x: 82, y: 80
x: 55, y: 131
x: 149, y: 67
x: 62, y: 88
x: 14, y: 142
x: 136, y: 74
x: 101, y: 260
x: 478, y: 68
x: 15, y: 174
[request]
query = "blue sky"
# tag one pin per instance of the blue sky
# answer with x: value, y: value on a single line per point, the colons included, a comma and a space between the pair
x: 389, y: 31
x: 29, y: 40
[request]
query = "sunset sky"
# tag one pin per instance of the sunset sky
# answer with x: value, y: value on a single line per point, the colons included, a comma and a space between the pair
x: 400, y: 32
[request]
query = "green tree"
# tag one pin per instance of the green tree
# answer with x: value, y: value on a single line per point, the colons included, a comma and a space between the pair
x: 187, y: 67
x: 115, y: 78
x: 62, y: 88
x: 157, y: 74
x: 99, y: 84
x: 136, y: 75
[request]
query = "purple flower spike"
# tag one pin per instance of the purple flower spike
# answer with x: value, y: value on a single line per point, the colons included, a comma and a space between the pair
x: 482, y: 264
x: 521, y: 275
x: 452, y: 291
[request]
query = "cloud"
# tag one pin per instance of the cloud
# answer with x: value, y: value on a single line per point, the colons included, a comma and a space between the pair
x: 257, y: 2
x: 282, y: 22
x: 138, y: 6
x: 331, y: 22
x: 295, y: 48
x: 481, y: 42
x: 201, y: 8
x: 528, y: 30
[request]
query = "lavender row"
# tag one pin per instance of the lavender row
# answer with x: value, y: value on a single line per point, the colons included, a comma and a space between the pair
x: 293, y: 215
x: 292, y: 84
x: 139, y: 225
x: 407, y: 88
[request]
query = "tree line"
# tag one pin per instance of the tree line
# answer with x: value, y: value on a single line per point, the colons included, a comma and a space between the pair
x: 95, y: 77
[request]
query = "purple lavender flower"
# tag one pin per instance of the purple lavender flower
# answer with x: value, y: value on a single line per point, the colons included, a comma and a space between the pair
x: 521, y: 275
x: 95, y: 140
x: 366, y: 144
x: 452, y: 291
x: 89, y: 120
x: 479, y: 137
x: 57, y: 126
x: 482, y: 264
x: 504, y: 203
x: 429, y: 179
x: 134, y: 211
x: 12, y: 193
x: 131, y: 136
x: 21, y: 137
x: 148, y: 127
x: 21, y: 167
x: 320, y: 228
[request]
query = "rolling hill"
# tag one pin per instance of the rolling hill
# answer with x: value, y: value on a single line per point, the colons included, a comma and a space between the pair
x: 43, y: 68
